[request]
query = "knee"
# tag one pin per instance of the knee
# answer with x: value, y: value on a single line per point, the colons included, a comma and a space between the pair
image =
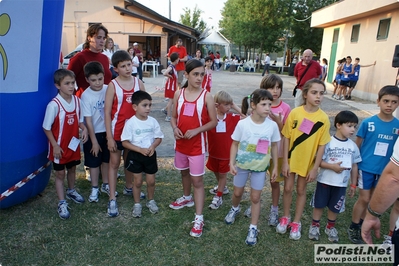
x: 288, y: 189
x: 255, y: 199
x: 197, y: 183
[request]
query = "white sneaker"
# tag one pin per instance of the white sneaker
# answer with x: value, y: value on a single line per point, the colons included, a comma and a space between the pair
x: 295, y: 233
x: 94, y: 194
x: 216, y: 203
x: 314, y: 233
x: 283, y: 224
x: 248, y: 212
x: 152, y: 206
x: 137, y: 210
x: 215, y: 190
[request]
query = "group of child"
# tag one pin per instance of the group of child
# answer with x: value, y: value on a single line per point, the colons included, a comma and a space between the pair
x: 271, y: 137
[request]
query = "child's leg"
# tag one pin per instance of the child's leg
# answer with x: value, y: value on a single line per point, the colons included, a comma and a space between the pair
x: 300, y: 198
x: 138, y: 182
x: 186, y: 182
x: 71, y: 177
x: 332, y: 216
x: 169, y: 108
x: 128, y: 174
x: 360, y: 205
x: 255, y: 205
x: 105, y: 172
x: 114, y: 162
x: 94, y: 174
x: 222, y: 180
x: 150, y: 180
x: 275, y: 193
x: 287, y: 196
x: 237, y: 195
x: 317, y: 213
x: 199, y: 193
x: 59, y: 184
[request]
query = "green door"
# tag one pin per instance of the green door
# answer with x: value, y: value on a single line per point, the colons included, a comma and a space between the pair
x: 331, y: 65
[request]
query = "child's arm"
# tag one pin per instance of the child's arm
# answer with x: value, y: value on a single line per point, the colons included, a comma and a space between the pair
x: 358, y: 141
x: 278, y: 119
x: 84, y: 132
x: 375, y: 62
x: 57, y: 150
x: 233, y: 154
x: 95, y: 149
x: 210, y: 104
x: 354, y: 176
x: 167, y: 71
x: 238, y: 110
x: 154, y: 145
x: 275, y: 159
x: 313, y: 173
x: 173, y: 121
x: 109, y: 98
x: 285, y: 169
x: 141, y: 85
x: 336, y: 167
x: 144, y: 151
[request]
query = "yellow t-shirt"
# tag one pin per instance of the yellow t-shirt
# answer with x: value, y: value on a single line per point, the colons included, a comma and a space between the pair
x: 306, y: 132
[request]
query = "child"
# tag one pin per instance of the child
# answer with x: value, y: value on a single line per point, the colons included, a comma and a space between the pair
x: 117, y: 110
x: 219, y: 143
x: 355, y: 76
x: 96, y: 153
x: 254, y: 142
x: 135, y: 61
x: 141, y: 135
x: 375, y: 138
x: 61, y: 125
x: 171, y: 84
x: 207, y: 81
x: 339, y: 163
x: 337, y: 80
x: 306, y: 132
x: 346, y: 72
x: 194, y: 114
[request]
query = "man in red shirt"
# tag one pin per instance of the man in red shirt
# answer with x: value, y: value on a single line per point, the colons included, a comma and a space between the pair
x: 139, y: 55
x: 181, y: 66
x: 314, y: 71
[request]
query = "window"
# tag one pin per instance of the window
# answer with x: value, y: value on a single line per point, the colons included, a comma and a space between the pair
x: 383, y: 29
x: 355, y: 33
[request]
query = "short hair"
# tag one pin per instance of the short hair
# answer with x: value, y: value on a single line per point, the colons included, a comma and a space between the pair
x: 120, y: 56
x: 174, y: 57
x: 357, y: 58
x: 140, y: 96
x: 93, y: 30
x: 223, y: 97
x: 93, y: 68
x: 344, y: 117
x: 388, y: 90
x: 208, y: 58
x: 348, y: 57
x: 60, y: 74
x: 270, y: 80
x: 178, y: 40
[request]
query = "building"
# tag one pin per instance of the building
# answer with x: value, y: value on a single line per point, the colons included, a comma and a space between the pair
x: 127, y: 22
x: 367, y: 29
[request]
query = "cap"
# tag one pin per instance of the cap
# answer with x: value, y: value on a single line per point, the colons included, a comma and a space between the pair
x: 135, y: 44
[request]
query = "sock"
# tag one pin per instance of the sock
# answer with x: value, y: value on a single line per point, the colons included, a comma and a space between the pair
x: 219, y: 193
x: 361, y: 222
x: 390, y: 233
x: 235, y: 208
x: 62, y: 201
x: 137, y: 204
x: 187, y: 197
x: 253, y: 226
x: 94, y: 186
x: 128, y: 189
x: 316, y: 223
x: 274, y: 208
x: 330, y: 223
x: 354, y: 225
x: 199, y: 217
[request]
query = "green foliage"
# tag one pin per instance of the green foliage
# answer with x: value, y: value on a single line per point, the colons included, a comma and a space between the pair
x: 193, y: 19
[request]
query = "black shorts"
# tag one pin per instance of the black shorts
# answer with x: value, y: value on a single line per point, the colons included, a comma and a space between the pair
x: 103, y: 155
x: 345, y: 83
x: 352, y: 83
x: 119, y: 145
x: 138, y: 163
x: 395, y: 242
x: 68, y: 165
x: 329, y: 196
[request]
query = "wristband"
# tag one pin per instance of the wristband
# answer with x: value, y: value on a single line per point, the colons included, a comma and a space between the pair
x: 375, y: 214
x: 353, y: 186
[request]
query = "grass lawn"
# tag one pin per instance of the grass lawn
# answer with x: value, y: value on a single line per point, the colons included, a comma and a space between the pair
x: 33, y: 234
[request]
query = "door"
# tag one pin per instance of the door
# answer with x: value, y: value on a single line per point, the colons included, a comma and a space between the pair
x: 332, y: 66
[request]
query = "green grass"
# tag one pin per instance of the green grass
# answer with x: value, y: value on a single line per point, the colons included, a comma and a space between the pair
x: 33, y: 234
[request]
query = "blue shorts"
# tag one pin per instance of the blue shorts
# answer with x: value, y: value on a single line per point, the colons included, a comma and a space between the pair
x: 329, y: 196
x: 103, y: 155
x: 367, y: 180
x: 257, y: 179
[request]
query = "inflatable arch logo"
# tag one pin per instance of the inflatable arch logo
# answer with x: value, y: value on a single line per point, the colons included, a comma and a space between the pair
x: 30, y: 42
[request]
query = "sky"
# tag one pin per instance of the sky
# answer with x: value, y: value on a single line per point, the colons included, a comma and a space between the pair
x: 211, y: 8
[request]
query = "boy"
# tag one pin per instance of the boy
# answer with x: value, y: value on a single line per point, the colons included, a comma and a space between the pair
x: 96, y: 153
x: 141, y: 135
x: 171, y: 84
x: 117, y: 110
x: 207, y: 80
x: 355, y: 76
x: 61, y: 125
x: 219, y: 143
x: 375, y: 138
x: 339, y: 162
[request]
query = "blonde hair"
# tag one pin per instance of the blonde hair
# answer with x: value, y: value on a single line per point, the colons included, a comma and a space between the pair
x: 222, y: 97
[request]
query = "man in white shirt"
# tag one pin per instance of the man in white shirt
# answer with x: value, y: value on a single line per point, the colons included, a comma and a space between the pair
x: 267, y: 65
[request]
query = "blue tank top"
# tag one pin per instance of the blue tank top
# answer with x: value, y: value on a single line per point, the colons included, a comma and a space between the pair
x: 347, y: 69
x: 355, y: 75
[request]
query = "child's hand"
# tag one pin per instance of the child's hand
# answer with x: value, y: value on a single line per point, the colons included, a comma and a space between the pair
x: 311, y: 176
x: 57, y: 152
x: 233, y: 169
x: 191, y: 133
x: 177, y: 133
x: 144, y: 151
x: 285, y: 169
x: 85, y: 135
x: 274, y: 175
x: 336, y: 167
x: 276, y: 118
x: 95, y: 149
x: 352, y: 192
x: 151, y: 151
x: 111, y: 145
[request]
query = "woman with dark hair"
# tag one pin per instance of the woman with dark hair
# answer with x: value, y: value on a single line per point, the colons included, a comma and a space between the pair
x: 92, y: 51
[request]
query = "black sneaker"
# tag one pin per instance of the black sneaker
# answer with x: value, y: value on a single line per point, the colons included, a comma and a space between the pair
x: 355, y: 235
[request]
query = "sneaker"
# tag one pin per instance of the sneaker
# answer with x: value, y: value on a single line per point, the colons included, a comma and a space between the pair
x: 129, y: 192
x: 283, y: 224
x: 216, y: 203
x: 112, y: 208
x: 314, y: 232
x: 333, y: 96
x: 332, y: 234
x: 63, y: 210
x: 137, y: 210
x: 342, y: 98
x: 252, y: 237
x: 248, y: 212
x: 387, y: 244
x: 231, y: 216
x: 196, y: 231
x: 273, y: 218
x: 94, y: 194
x: 168, y: 118
x: 75, y: 196
x: 355, y: 235
x: 163, y: 110
x: 152, y: 206
x: 295, y: 233
x: 349, y: 97
x: 215, y: 190
x: 105, y: 189
x: 181, y: 203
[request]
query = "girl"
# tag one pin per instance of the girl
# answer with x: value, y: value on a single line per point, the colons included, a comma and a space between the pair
x: 254, y: 141
x: 306, y: 132
x: 194, y: 114
x: 171, y: 84
x: 324, y: 69
x: 135, y: 61
x: 337, y: 80
x: 109, y: 50
x: 207, y: 80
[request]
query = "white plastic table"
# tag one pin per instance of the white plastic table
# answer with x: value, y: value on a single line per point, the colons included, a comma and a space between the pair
x: 154, y: 65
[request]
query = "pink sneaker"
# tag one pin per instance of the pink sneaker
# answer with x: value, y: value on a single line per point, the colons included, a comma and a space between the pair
x: 196, y: 231
x: 295, y: 233
x: 181, y: 203
x: 283, y: 224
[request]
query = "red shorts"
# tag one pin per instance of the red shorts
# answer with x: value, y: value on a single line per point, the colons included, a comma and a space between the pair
x: 169, y: 94
x: 218, y: 165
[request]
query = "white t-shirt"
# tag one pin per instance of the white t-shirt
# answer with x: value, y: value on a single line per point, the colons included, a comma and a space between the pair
x: 135, y: 61
x: 345, y: 151
x: 254, y: 148
x: 93, y: 106
x: 267, y: 60
x: 52, y: 111
x: 141, y: 133
x: 109, y: 54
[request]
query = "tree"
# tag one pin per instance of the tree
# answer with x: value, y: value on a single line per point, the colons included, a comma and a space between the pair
x: 193, y: 20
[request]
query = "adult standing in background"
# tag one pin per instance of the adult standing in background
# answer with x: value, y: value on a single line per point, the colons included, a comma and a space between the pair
x: 267, y: 65
x: 109, y: 50
x: 181, y: 66
x: 92, y: 51
x: 198, y: 56
x: 305, y: 70
x: 139, y: 55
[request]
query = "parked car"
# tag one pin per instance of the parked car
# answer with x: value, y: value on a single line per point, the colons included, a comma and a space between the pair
x: 66, y: 58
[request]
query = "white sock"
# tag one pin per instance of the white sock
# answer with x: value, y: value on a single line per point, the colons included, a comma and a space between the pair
x: 199, y: 217
x: 236, y: 208
x: 253, y: 226
x: 187, y: 197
